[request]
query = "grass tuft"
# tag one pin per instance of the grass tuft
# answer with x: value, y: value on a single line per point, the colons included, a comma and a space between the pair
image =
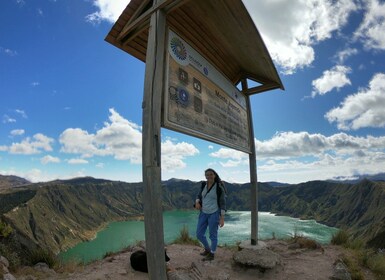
x: 304, y: 242
x: 353, y: 267
x: 340, y: 238
x: 12, y: 257
x: 44, y: 256
x: 376, y: 263
x: 185, y: 238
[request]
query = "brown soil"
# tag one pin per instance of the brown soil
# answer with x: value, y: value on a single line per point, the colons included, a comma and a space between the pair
x: 187, y: 264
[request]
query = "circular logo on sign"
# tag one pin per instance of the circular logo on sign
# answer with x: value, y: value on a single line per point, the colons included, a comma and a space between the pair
x: 183, y: 97
x: 205, y: 70
x: 178, y: 48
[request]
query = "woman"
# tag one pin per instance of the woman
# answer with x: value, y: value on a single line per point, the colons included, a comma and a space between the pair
x: 211, y: 201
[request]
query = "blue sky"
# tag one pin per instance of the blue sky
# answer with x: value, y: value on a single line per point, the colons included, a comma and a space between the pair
x: 71, y: 103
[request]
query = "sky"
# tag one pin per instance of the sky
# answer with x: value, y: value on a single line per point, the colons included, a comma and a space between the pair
x: 70, y: 103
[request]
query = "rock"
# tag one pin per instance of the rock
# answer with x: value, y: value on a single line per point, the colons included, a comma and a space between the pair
x: 260, y: 258
x: 294, y: 246
x: 4, y: 261
x: 191, y: 273
x: 8, y: 276
x: 4, y: 269
x: 340, y: 272
x: 44, y: 268
x: 4, y: 265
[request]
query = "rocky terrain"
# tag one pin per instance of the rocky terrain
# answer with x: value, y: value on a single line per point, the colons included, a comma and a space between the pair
x: 293, y: 263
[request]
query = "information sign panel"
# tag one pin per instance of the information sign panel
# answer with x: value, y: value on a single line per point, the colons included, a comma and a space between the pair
x: 200, y: 101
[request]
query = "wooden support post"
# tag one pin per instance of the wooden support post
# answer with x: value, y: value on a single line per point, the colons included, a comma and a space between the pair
x: 253, y: 172
x: 151, y: 151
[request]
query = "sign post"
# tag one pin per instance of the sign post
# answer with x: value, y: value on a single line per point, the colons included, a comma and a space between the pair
x: 253, y: 175
x: 151, y: 152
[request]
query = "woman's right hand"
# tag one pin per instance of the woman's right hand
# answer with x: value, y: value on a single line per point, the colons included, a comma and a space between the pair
x: 198, y: 204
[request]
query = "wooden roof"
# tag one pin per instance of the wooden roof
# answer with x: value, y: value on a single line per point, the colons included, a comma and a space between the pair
x: 220, y: 30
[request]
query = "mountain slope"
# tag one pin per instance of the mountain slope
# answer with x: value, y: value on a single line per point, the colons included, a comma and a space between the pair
x: 8, y: 182
x: 62, y: 213
x: 360, y: 208
x: 59, y: 214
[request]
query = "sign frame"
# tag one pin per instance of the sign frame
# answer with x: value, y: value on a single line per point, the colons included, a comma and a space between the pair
x: 200, y: 101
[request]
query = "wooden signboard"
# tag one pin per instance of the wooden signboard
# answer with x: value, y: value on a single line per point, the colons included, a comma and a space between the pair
x: 200, y: 101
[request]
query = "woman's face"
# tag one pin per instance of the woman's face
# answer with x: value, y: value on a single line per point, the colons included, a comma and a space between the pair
x: 210, y: 176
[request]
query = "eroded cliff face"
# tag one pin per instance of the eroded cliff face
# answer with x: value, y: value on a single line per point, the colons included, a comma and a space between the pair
x: 62, y: 214
x: 58, y: 215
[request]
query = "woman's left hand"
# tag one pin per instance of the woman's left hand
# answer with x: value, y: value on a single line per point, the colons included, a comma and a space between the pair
x: 221, y: 221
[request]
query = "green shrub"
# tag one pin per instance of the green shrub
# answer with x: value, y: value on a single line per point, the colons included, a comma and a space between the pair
x: 184, y: 237
x: 376, y: 263
x: 44, y: 256
x: 12, y: 257
x: 5, y: 229
x: 356, y: 244
x: 304, y: 242
x: 353, y: 267
x: 340, y: 238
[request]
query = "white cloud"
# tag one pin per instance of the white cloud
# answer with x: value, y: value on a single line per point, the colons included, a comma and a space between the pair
x: 345, y: 54
x: 33, y: 175
x: 122, y: 139
x: 234, y: 157
x: 28, y: 146
x: 20, y: 2
x: 21, y: 113
x: 8, y: 52
x: 331, y: 79
x: 49, y: 159
x: 290, y: 157
x: 35, y: 84
x: 286, y: 145
x: 17, y: 132
x: 322, y: 168
x: 363, y: 109
x: 77, y: 161
x: 174, y: 154
x: 107, y: 10
x: 371, y: 31
x: 291, y: 36
x: 8, y: 119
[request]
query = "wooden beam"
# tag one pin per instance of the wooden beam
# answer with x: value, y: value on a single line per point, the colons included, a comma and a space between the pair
x: 253, y: 173
x: 166, y: 5
x: 262, y: 88
x: 151, y: 146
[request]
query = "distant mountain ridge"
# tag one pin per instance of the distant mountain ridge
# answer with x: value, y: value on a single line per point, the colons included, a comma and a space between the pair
x: 59, y: 214
x: 10, y: 181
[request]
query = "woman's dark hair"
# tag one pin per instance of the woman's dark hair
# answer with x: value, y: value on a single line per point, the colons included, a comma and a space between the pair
x: 217, y: 178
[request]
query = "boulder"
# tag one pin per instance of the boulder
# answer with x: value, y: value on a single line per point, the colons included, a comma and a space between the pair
x: 261, y: 258
x: 340, y: 272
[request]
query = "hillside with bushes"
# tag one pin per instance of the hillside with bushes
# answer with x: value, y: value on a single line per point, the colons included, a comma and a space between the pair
x: 57, y: 215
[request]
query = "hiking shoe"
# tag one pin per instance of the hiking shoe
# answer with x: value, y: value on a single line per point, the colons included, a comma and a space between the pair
x: 205, y: 253
x: 209, y: 257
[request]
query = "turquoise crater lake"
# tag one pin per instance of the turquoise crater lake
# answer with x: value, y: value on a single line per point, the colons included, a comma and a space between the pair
x: 119, y: 235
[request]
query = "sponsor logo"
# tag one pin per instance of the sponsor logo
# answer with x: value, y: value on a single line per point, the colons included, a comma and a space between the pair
x: 178, y: 48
